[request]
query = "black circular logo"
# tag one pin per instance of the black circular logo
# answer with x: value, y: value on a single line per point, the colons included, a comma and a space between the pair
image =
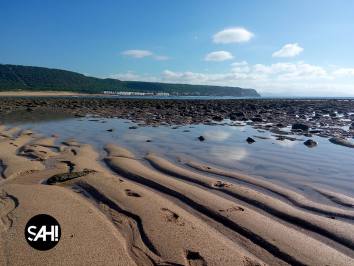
x: 42, y: 232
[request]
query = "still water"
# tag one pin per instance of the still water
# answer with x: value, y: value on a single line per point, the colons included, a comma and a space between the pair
x: 289, y: 163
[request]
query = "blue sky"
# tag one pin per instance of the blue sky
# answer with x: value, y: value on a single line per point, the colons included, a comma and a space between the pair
x: 278, y: 47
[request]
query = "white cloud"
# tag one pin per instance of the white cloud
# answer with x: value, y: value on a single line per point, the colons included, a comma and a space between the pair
x: 233, y: 35
x: 289, y: 50
x: 291, y: 71
x: 344, y: 72
x: 144, y: 53
x: 240, y: 67
x: 218, y: 56
x: 237, y: 64
x: 137, y: 53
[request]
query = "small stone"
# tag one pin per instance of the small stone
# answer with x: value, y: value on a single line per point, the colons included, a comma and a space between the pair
x: 310, y: 143
x: 250, y: 140
x: 201, y: 138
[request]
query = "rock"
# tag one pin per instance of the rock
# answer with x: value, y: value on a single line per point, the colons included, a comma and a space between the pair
x: 315, y: 131
x: 300, y: 126
x: 201, y: 138
x: 342, y: 142
x: 236, y: 115
x: 257, y: 119
x: 60, y: 178
x: 310, y: 143
x: 217, y: 118
x: 110, y: 130
x: 250, y: 140
x: 133, y: 127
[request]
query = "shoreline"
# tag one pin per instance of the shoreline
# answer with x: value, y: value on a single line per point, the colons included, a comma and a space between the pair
x: 324, y: 118
x: 40, y: 93
x: 151, y: 209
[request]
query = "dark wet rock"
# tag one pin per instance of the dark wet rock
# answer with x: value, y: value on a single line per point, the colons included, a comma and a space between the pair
x: 218, y: 118
x: 221, y: 184
x: 236, y: 115
x: 282, y: 137
x: 153, y: 112
x: 250, y: 140
x: 60, y: 178
x: 110, y: 130
x: 257, y: 119
x: 342, y: 142
x: 315, y: 131
x: 310, y: 143
x: 201, y: 138
x: 299, y: 126
x: 133, y: 127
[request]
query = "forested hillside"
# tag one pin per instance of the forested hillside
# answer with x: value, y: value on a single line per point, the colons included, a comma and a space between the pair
x: 16, y: 77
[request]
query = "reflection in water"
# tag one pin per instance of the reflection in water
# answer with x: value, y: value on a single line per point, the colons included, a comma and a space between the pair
x: 286, y: 143
x: 287, y: 162
x: 228, y: 155
x: 217, y: 135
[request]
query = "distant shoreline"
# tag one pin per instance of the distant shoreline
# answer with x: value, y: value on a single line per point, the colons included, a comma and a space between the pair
x: 41, y: 93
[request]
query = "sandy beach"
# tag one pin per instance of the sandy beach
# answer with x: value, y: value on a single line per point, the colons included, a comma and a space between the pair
x: 23, y: 93
x: 118, y: 208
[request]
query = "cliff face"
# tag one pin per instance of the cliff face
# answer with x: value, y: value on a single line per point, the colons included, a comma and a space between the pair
x: 16, y: 77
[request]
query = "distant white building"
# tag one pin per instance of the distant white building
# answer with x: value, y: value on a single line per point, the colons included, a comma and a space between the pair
x: 136, y: 93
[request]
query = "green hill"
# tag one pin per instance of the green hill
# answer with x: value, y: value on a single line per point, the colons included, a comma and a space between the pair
x: 16, y: 77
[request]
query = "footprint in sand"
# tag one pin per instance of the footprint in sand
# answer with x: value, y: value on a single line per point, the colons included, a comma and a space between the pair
x: 132, y: 193
x: 7, y: 204
x: 194, y: 259
x: 171, y: 216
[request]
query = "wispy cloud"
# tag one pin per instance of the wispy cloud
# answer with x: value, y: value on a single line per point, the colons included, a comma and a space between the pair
x: 233, y: 35
x: 218, y: 56
x: 289, y: 50
x: 136, y: 53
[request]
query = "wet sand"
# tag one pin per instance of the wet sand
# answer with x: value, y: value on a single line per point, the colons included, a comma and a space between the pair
x: 118, y: 208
